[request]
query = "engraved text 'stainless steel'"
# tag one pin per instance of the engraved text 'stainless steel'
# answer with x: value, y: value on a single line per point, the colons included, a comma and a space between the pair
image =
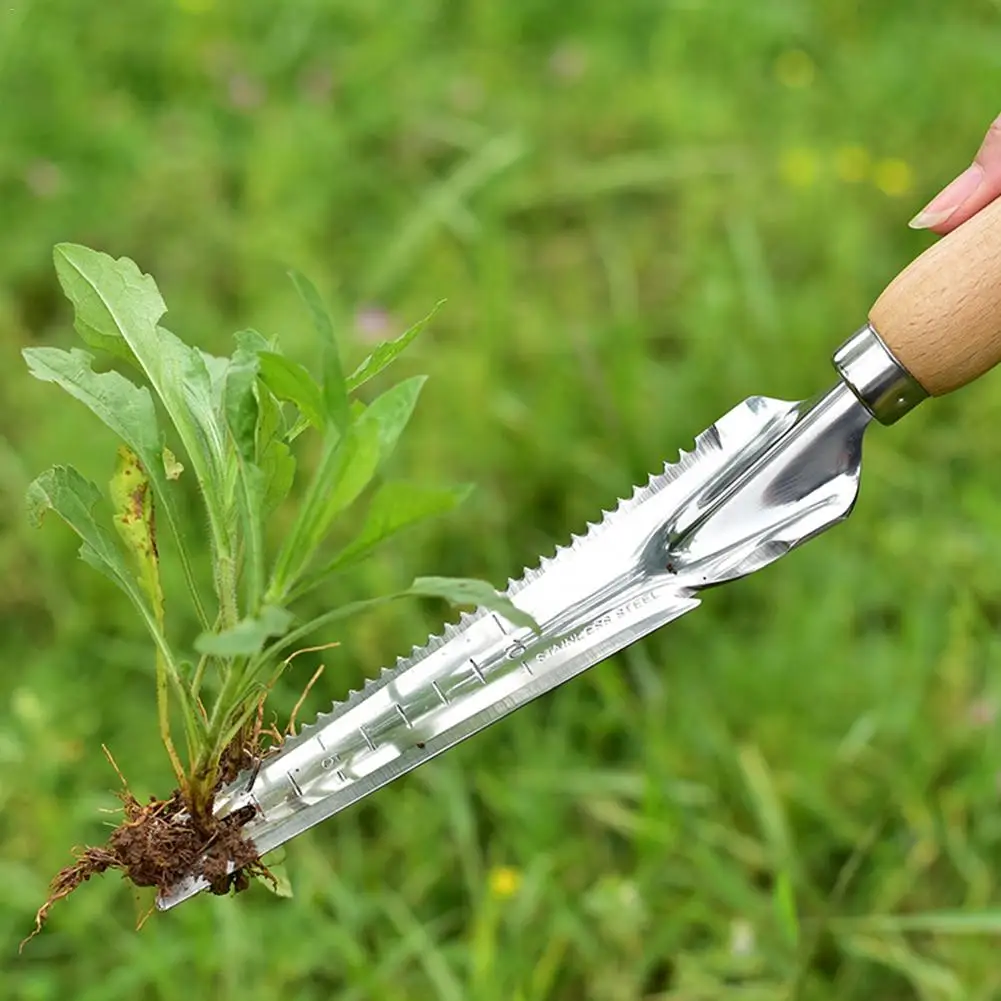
x: 765, y: 478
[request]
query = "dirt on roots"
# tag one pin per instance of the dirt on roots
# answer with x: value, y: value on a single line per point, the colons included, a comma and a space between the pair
x: 158, y: 844
x: 161, y: 842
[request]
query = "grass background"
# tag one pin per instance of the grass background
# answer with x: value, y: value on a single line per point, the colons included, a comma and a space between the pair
x: 639, y: 213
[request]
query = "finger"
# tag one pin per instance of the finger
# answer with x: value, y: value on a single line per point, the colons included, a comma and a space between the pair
x: 976, y: 187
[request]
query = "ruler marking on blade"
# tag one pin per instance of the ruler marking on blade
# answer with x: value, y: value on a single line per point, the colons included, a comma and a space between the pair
x: 323, y: 746
x: 740, y: 437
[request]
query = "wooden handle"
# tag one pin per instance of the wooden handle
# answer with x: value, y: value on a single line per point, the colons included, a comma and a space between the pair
x: 941, y: 316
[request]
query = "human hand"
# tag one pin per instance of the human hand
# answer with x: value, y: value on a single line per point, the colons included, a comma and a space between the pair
x: 976, y: 187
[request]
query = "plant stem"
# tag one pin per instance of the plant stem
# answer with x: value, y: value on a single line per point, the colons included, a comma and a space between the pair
x: 290, y: 639
x: 198, y: 677
x: 163, y: 716
x: 226, y: 585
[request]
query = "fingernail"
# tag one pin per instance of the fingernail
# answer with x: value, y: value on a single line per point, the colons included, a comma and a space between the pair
x: 945, y: 203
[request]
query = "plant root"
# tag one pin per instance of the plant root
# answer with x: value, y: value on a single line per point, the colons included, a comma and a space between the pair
x: 165, y: 840
x: 157, y: 845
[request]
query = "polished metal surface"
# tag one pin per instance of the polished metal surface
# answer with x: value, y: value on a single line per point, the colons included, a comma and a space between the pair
x: 868, y: 367
x: 765, y: 478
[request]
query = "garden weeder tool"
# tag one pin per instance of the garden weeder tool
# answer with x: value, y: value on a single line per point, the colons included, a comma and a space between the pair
x: 765, y: 478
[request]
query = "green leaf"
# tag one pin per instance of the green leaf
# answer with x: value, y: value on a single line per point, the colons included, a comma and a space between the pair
x: 73, y: 498
x: 290, y: 381
x: 112, y: 298
x: 979, y: 922
x: 63, y: 490
x: 248, y: 636
x: 128, y: 410
x: 461, y: 591
x: 346, y: 467
x: 387, y: 352
x: 337, y: 614
x: 335, y: 393
x: 274, y: 457
x: 392, y: 411
x: 124, y: 407
x: 395, y: 507
x: 134, y: 518
x: 784, y: 899
x: 252, y: 496
x: 240, y: 403
x: 253, y: 342
x: 398, y: 505
x: 217, y: 368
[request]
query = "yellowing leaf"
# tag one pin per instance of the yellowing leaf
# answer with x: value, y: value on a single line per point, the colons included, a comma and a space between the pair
x: 171, y: 466
x: 134, y: 518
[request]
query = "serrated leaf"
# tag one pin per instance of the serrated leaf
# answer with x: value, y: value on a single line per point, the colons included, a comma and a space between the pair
x: 391, y: 412
x: 112, y: 298
x: 395, y: 507
x: 460, y: 591
x: 248, y: 636
x: 73, y: 498
x: 335, y: 393
x: 106, y: 293
x: 387, y: 352
x: 128, y: 411
x: 134, y: 518
x: 346, y: 467
x: 290, y: 381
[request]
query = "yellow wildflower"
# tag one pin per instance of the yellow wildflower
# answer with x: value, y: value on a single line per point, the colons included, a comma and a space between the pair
x: 893, y: 177
x: 795, y: 69
x: 851, y: 163
x: 504, y: 881
x: 799, y: 167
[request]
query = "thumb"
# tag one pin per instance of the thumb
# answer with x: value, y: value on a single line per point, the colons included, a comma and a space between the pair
x: 976, y: 187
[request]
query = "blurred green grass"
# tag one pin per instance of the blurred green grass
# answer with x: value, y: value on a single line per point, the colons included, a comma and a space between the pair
x: 639, y: 214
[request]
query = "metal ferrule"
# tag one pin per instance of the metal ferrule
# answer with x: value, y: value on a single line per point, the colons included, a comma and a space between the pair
x: 884, y: 387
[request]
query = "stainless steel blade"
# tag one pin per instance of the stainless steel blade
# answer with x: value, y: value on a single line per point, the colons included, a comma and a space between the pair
x: 766, y: 477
